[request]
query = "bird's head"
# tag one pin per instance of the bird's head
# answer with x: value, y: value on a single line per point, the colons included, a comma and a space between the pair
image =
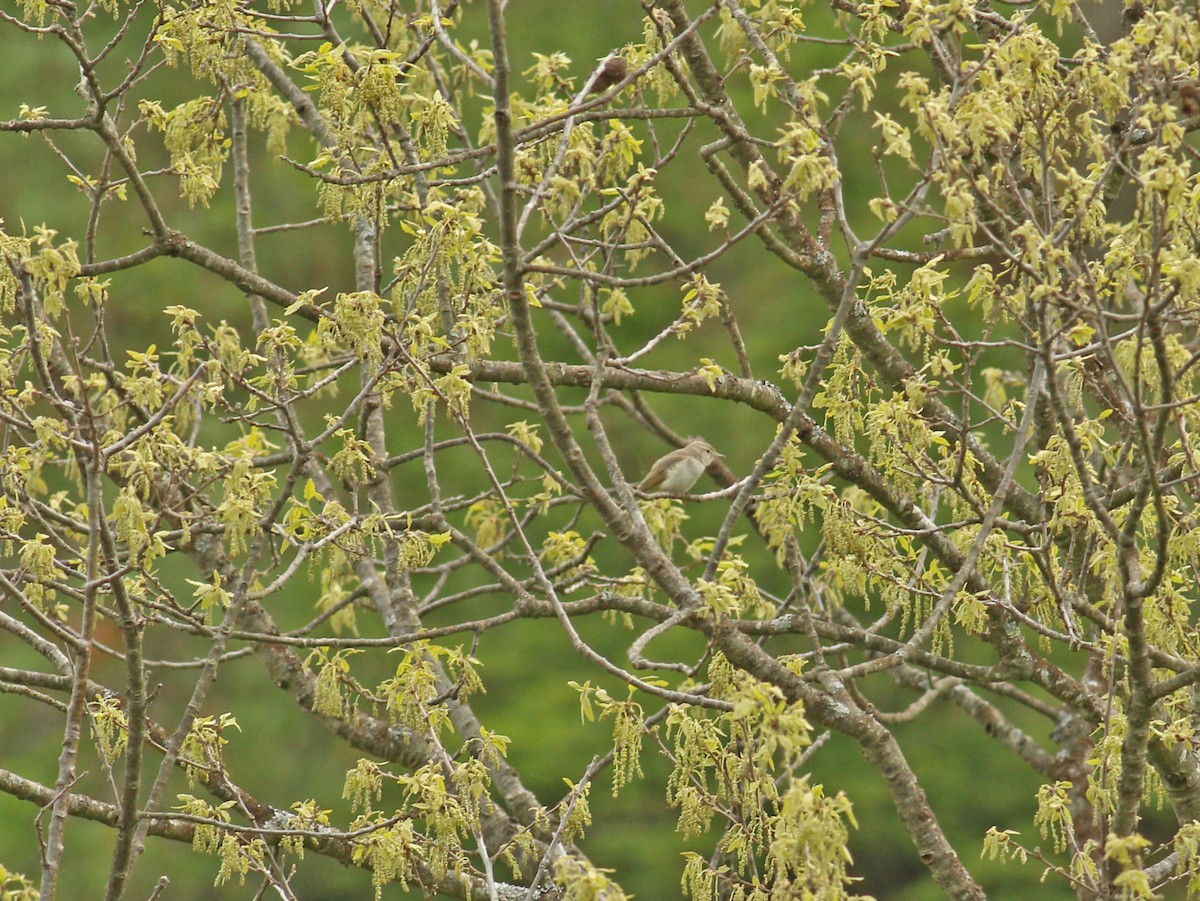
x: 704, y: 451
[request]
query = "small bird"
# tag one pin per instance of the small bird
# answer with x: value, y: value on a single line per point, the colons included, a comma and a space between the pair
x: 679, y: 470
x: 611, y: 70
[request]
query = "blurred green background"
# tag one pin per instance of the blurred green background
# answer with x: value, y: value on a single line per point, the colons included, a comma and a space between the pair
x: 283, y: 756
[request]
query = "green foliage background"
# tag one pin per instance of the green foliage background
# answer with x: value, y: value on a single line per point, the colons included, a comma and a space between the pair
x: 282, y: 755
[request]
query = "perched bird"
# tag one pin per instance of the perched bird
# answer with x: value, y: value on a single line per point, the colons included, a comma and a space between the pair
x: 679, y: 470
x: 611, y: 70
